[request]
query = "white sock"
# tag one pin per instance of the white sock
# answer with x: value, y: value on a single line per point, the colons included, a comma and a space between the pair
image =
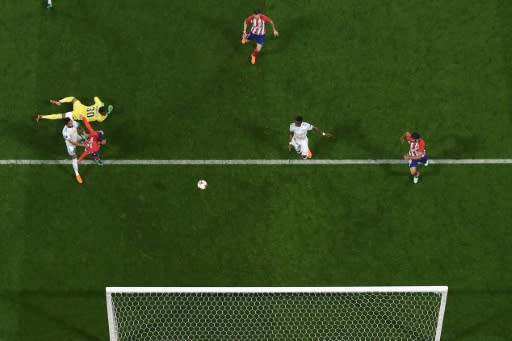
x: 75, y: 165
x: 49, y: 2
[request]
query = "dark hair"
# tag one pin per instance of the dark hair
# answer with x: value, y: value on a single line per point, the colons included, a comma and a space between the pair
x: 298, y: 118
x: 415, y: 136
x: 102, y: 110
x: 101, y: 135
x: 66, y: 120
x: 256, y: 11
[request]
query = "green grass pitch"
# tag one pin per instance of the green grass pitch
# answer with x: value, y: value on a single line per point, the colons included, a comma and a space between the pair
x: 183, y: 88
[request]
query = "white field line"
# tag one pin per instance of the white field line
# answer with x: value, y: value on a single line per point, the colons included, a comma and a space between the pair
x: 262, y: 162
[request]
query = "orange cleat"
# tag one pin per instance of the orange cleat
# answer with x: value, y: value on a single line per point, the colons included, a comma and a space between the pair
x: 79, y: 179
x: 253, y: 59
x: 310, y: 154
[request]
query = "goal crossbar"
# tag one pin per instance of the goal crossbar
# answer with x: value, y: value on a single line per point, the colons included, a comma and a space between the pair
x: 439, y: 289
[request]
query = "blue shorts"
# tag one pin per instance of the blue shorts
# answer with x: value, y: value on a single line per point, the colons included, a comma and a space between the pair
x: 414, y: 163
x: 260, y: 39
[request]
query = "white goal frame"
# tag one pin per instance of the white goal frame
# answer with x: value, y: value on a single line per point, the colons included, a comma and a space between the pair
x: 442, y: 290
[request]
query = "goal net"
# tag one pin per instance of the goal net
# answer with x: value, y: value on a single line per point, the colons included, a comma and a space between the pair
x: 276, y: 314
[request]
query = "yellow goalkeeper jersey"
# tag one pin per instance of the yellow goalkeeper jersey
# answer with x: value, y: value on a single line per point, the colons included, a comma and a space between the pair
x: 90, y: 111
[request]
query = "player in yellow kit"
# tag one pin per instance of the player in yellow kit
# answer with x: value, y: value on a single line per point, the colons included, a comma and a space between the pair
x: 97, y: 112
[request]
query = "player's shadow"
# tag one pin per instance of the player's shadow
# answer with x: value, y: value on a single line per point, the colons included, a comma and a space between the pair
x: 319, y: 144
x: 230, y: 30
x: 458, y: 146
x: 289, y: 34
x: 36, y: 137
x: 264, y: 136
x: 122, y: 142
x: 160, y: 186
x: 40, y: 138
x: 352, y: 132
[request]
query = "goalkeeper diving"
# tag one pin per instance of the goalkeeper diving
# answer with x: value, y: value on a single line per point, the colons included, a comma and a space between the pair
x: 97, y: 112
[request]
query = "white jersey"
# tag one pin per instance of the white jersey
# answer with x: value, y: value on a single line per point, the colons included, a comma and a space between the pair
x: 70, y: 134
x: 300, y: 133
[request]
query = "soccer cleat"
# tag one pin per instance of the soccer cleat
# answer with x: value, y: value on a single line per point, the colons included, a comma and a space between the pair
x: 49, y: 6
x: 253, y: 59
x: 99, y: 162
x: 38, y: 117
x: 415, y: 179
x: 426, y: 163
x: 305, y: 157
x: 79, y: 179
x: 310, y: 154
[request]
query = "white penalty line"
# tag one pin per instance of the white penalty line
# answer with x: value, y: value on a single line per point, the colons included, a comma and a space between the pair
x: 263, y: 162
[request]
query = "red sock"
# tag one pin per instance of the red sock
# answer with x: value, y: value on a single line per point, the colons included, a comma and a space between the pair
x: 255, y: 52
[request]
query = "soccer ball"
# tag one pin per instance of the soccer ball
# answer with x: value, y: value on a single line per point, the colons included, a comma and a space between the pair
x: 202, y: 184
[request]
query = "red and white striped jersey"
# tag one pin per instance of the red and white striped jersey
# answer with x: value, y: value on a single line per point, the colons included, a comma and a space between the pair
x: 258, y: 24
x: 416, y: 148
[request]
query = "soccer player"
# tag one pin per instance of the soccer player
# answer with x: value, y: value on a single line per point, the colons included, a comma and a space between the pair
x: 417, y: 153
x: 96, y: 112
x: 258, y: 21
x: 72, y: 139
x: 49, y: 5
x: 298, y: 138
x: 93, y: 143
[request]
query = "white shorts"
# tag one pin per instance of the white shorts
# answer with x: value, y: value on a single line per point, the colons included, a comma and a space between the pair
x: 71, y: 150
x: 300, y: 145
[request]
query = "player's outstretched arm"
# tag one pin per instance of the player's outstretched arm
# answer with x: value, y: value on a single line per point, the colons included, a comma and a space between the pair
x: 276, y: 34
x: 78, y: 144
x: 326, y: 134
x: 87, y: 125
x: 290, y: 136
x: 244, y: 32
x: 413, y: 157
x: 404, y: 136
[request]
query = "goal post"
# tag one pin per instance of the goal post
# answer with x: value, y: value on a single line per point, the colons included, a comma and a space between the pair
x: 276, y: 313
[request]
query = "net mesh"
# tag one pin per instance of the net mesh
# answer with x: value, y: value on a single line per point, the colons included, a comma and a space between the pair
x: 276, y: 316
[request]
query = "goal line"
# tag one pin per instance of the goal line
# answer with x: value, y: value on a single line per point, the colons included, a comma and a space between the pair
x: 264, y: 162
